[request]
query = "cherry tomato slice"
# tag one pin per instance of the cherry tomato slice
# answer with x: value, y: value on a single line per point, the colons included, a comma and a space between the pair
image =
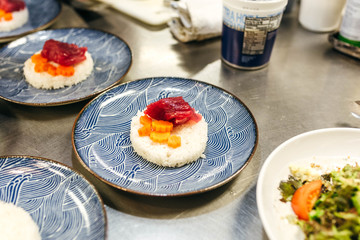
x: 304, y: 199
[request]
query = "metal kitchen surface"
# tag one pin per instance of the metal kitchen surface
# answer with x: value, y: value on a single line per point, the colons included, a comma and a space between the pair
x: 306, y: 86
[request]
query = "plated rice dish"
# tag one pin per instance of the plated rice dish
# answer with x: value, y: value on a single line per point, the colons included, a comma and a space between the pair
x: 58, y: 65
x: 167, y: 136
x: 13, y: 14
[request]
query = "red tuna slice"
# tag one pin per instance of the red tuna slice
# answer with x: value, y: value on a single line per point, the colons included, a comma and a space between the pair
x: 63, y: 53
x: 12, y: 5
x: 172, y: 109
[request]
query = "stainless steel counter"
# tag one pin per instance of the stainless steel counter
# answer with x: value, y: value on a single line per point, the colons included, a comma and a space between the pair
x: 306, y: 86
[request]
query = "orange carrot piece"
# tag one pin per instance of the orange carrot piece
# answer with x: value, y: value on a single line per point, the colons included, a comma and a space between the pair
x: 52, y: 70
x: 41, y: 67
x: 160, y: 137
x: 174, y: 141
x: 144, y: 130
x: 3, y: 15
x: 66, y: 71
x: 145, y: 120
x: 162, y: 126
x: 37, y: 58
x: 8, y: 16
x: 46, y: 66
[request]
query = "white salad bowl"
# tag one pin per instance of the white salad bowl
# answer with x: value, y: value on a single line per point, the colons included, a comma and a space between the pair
x: 331, y: 146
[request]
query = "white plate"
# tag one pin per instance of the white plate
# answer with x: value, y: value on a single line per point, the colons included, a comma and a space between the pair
x: 318, y: 145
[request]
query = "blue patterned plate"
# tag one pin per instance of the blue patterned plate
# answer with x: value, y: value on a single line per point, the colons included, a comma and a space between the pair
x: 62, y: 203
x: 41, y: 15
x: 102, y: 143
x: 112, y: 60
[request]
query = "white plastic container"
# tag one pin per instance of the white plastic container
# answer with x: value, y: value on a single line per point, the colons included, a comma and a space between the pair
x: 321, y: 15
x: 350, y: 25
x: 249, y: 31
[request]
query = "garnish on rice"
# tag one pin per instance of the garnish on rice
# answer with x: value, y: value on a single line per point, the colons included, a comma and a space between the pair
x: 174, y: 141
x: 9, y: 6
x: 172, y: 109
x: 161, y: 126
x: 163, y: 115
x: 58, y: 65
x: 5, y: 16
x: 43, y: 65
x: 169, y: 132
x: 159, y: 131
x: 13, y: 14
x: 12, y: 5
x: 65, y: 56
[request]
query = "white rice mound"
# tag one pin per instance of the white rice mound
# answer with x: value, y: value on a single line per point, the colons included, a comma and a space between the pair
x: 193, y: 143
x: 19, y: 19
x: 16, y: 223
x: 46, y: 81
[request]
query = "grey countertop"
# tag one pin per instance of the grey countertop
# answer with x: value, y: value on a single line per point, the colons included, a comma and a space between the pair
x: 306, y: 86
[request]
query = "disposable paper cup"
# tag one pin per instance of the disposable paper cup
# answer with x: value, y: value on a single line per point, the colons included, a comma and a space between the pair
x: 249, y: 31
x: 321, y: 15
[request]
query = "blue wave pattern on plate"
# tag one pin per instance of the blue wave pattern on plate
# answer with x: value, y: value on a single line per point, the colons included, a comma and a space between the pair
x: 101, y: 137
x: 40, y: 13
x: 60, y: 201
x: 112, y: 59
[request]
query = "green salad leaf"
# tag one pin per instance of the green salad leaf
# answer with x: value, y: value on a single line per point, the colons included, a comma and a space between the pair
x: 336, y: 213
x: 288, y: 188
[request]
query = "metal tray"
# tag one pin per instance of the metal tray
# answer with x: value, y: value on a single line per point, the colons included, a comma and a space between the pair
x: 344, y: 47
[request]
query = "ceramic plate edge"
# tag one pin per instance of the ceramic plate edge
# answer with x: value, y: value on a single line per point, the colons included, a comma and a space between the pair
x: 73, y: 170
